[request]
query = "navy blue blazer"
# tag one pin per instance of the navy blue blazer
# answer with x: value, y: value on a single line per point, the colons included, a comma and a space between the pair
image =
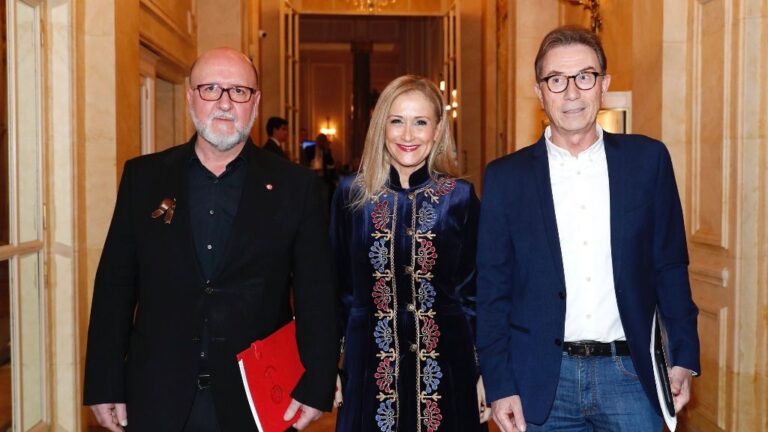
x: 521, y: 284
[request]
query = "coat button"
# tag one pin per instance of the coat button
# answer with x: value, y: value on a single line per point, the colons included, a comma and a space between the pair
x: 208, y: 290
x: 414, y: 348
x: 411, y: 196
x: 408, y: 270
x: 409, y: 231
x: 411, y: 307
x: 558, y: 342
x: 561, y: 294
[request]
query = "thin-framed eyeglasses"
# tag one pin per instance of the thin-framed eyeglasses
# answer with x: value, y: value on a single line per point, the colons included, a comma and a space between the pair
x: 585, y: 80
x: 213, y: 92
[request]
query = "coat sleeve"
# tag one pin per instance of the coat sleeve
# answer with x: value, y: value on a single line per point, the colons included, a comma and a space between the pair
x: 315, y: 303
x: 466, y: 271
x: 340, y: 244
x: 678, y: 312
x: 495, y: 258
x: 114, y: 301
x: 466, y: 289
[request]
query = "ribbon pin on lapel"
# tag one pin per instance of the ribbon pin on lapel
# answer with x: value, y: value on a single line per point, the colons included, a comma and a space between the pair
x: 167, y: 207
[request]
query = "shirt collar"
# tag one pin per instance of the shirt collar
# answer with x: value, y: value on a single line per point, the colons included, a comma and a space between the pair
x: 245, y: 155
x: 556, y: 152
x: 417, y: 178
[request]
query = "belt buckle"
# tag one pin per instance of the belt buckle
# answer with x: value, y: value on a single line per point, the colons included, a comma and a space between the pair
x: 203, y: 381
x: 588, y: 350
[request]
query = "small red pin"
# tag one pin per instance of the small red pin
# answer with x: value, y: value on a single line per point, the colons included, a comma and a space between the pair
x: 269, y: 186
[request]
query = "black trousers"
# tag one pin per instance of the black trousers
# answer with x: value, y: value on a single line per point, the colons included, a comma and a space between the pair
x: 202, y: 417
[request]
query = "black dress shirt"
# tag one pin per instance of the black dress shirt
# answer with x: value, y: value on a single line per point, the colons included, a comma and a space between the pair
x: 213, y: 203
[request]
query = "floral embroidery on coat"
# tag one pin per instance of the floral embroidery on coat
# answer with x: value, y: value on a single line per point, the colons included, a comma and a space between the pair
x: 424, y: 257
x: 385, y: 416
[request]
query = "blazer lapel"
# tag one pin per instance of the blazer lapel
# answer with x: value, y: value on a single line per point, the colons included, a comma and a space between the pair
x: 544, y: 190
x: 617, y: 184
x: 254, y: 211
x: 177, y: 164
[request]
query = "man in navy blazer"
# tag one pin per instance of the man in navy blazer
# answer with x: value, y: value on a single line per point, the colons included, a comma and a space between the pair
x: 581, y: 240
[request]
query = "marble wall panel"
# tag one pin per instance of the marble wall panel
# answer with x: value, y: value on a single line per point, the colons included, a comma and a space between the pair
x: 711, y: 32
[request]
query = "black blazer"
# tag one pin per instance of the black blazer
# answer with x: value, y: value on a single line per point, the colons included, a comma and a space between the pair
x: 150, y: 296
x: 272, y: 146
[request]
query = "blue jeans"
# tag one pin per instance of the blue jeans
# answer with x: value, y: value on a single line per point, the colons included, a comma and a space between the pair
x: 599, y: 394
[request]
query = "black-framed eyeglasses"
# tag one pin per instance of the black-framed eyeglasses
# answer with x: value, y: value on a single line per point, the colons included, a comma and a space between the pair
x: 213, y: 92
x: 584, y: 81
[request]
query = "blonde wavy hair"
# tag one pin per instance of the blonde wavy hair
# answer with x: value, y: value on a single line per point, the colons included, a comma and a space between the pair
x: 373, y: 174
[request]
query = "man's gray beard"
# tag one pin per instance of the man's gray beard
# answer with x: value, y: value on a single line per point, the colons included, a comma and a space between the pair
x: 222, y: 142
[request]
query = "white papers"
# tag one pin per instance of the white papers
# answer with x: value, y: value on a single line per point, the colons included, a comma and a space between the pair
x: 248, y: 395
x: 660, y: 377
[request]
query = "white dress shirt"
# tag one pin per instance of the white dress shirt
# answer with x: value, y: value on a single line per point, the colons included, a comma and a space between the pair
x: 581, y: 196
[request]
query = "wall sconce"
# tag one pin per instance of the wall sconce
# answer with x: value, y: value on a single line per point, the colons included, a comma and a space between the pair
x: 328, y: 130
x: 453, y: 105
x: 593, y: 6
x: 371, y: 6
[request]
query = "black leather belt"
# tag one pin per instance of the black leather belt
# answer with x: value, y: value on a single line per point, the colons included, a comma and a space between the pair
x: 596, y: 349
x: 204, y: 381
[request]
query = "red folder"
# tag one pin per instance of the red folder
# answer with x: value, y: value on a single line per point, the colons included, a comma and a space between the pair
x: 270, y: 369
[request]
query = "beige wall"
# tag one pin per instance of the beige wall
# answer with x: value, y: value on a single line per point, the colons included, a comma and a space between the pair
x: 715, y: 121
x: 219, y: 24
x: 534, y: 19
x: 96, y: 159
x: 631, y: 35
x: 270, y: 67
x: 168, y: 27
x: 471, y: 95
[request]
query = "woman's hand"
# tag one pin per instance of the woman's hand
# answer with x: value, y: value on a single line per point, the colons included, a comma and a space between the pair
x: 485, y: 410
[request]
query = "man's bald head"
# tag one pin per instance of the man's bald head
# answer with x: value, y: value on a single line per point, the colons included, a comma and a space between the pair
x: 223, y: 57
x: 223, y: 98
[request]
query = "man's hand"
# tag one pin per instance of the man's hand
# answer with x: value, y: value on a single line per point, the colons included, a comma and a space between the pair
x: 680, y: 381
x: 338, y: 398
x: 308, y: 414
x: 113, y: 416
x: 482, y: 406
x: 508, y: 414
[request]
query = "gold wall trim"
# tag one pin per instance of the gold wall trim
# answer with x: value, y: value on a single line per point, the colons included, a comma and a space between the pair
x: 163, y: 36
x: 159, y: 12
x: 25, y: 248
x: 703, y: 67
x: 715, y: 277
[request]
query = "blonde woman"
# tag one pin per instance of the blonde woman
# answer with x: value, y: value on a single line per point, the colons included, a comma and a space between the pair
x: 404, y: 234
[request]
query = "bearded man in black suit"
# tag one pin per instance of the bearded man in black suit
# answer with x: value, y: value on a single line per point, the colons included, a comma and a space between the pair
x: 203, y: 242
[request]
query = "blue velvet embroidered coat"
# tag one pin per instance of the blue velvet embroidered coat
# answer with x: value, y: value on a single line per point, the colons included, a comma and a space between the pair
x: 406, y: 263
